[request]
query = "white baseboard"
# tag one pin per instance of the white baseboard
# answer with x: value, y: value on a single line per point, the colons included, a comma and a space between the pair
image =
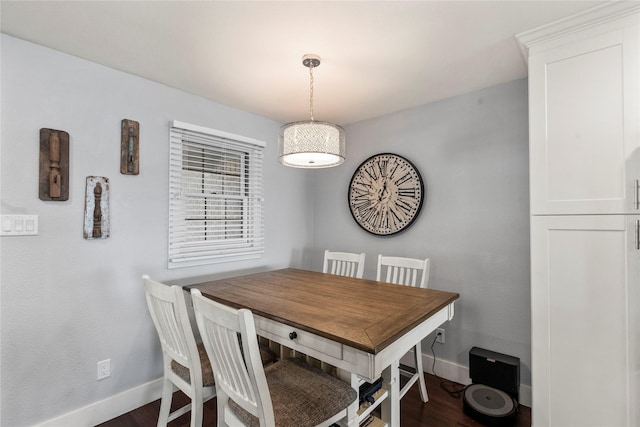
x: 114, y: 406
x: 109, y: 408
x: 458, y: 373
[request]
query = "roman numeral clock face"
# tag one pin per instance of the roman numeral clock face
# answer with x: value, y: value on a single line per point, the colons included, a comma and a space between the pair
x: 386, y: 194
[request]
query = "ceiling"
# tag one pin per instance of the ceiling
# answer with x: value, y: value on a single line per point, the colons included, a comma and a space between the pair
x: 377, y: 57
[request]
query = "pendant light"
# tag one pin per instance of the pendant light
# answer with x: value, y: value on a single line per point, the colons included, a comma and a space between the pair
x: 311, y: 144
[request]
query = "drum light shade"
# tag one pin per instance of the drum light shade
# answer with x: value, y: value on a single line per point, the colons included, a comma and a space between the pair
x: 311, y: 144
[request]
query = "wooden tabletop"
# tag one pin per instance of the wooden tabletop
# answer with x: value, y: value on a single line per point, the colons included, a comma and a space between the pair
x: 362, y: 314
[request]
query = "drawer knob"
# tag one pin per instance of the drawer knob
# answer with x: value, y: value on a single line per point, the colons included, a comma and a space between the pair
x: 293, y: 335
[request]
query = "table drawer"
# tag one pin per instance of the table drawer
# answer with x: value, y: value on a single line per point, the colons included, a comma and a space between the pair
x: 297, y: 339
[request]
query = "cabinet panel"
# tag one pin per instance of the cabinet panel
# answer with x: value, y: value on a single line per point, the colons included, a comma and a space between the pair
x: 585, y: 139
x: 584, y: 143
x: 584, y: 268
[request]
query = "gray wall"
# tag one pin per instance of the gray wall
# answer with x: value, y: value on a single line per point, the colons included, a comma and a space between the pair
x: 472, y: 152
x: 66, y: 302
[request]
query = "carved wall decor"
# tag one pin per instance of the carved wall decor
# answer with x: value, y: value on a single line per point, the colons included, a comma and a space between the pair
x: 96, y: 208
x: 130, y: 148
x: 54, y: 165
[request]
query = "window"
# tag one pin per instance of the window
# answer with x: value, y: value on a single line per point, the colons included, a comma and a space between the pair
x: 215, y: 196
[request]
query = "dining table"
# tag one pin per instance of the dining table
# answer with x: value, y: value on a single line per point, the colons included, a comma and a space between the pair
x: 361, y: 327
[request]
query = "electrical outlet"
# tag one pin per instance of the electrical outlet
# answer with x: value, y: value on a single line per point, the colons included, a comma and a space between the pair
x: 440, y: 337
x: 104, y: 369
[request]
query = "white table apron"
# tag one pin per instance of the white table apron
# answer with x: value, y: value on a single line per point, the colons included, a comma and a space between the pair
x: 353, y: 363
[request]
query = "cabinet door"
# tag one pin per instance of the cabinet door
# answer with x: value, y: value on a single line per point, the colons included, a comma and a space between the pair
x: 584, y: 293
x: 584, y: 142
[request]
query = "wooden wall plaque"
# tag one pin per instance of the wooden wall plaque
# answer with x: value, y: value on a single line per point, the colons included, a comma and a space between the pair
x: 130, y: 148
x: 97, y: 222
x: 54, y: 165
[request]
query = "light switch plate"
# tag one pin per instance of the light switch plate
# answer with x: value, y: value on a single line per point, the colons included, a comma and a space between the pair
x: 19, y: 225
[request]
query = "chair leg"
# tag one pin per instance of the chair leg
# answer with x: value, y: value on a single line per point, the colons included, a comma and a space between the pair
x: 222, y: 400
x: 417, y: 352
x: 165, y: 403
x: 196, y: 407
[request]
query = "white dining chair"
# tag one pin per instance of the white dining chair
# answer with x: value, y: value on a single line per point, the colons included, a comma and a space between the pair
x: 344, y: 264
x: 286, y: 393
x: 408, y: 272
x: 186, y: 365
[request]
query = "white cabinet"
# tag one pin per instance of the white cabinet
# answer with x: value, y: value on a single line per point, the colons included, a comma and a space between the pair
x: 584, y: 128
x: 585, y: 299
x: 584, y: 119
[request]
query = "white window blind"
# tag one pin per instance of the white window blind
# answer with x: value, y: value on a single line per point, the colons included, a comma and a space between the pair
x: 215, y: 196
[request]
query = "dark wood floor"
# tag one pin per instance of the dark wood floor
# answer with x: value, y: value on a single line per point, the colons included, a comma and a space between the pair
x: 442, y: 410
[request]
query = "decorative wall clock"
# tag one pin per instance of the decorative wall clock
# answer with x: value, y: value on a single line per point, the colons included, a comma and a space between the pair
x: 386, y: 194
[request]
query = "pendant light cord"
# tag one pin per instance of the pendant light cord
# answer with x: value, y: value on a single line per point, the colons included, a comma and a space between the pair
x: 311, y: 91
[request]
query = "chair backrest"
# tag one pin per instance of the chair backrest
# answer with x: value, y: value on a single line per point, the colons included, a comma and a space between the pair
x: 168, y: 310
x: 403, y: 271
x: 241, y: 379
x: 344, y: 264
